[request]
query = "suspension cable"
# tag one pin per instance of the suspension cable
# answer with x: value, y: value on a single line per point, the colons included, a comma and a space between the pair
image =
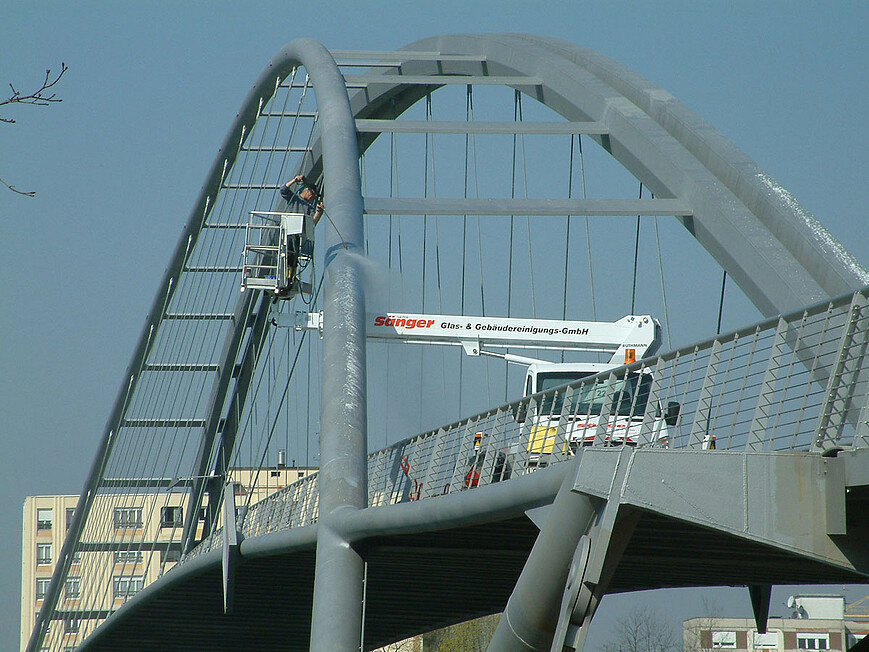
x: 663, y: 290
x: 512, y: 220
x: 363, y: 174
x: 429, y: 143
x: 636, y: 258
x: 512, y: 217
x: 468, y: 99
x: 394, y: 187
x: 587, y: 231
x: 284, y: 393
x: 473, y: 144
x: 389, y: 261
x: 428, y: 137
x: 465, y: 195
x: 527, y: 217
x: 567, y: 238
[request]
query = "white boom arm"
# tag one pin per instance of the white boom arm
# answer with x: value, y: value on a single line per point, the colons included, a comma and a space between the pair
x: 638, y: 332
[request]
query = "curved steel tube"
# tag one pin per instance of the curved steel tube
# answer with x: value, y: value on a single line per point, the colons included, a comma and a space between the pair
x: 340, y: 167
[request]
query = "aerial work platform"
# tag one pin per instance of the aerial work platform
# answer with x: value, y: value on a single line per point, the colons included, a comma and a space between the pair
x: 278, y: 247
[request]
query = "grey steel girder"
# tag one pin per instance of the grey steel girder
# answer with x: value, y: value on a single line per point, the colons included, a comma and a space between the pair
x: 477, y: 127
x: 775, y: 499
x: 535, y: 207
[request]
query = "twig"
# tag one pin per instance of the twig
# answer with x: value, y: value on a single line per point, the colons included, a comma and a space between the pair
x: 37, y: 97
x: 32, y: 193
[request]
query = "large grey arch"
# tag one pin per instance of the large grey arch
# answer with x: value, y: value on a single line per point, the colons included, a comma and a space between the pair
x: 344, y: 340
x: 771, y: 246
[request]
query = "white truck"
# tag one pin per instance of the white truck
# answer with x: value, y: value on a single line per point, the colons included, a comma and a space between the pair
x: 607, y: 412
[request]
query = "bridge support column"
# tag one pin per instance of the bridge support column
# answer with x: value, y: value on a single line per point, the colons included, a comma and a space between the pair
x: 531, y: 615
x: 595, y: 561
x: 338, y: 594
x: 343, y: 484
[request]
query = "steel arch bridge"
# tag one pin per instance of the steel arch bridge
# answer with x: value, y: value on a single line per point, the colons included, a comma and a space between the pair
x: 788, y: 394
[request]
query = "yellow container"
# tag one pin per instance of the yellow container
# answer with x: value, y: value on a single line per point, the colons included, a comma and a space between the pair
x: 542, y: 439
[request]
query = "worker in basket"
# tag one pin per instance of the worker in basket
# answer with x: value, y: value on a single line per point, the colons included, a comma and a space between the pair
x: 301, y: 197
x: 307, y: 199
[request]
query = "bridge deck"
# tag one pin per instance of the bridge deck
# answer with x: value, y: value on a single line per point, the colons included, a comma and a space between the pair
x: 429, y: 568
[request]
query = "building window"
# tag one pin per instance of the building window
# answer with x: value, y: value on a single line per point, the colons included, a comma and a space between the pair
x: 171, y: 517
x: 76, y: 557
x: 128, y: 556
x: 768, y: 641
x: 71, y: 625
x: 43, y: 519
x: 724, y: 640
x: 42, y: 587
x: 813, y: 641
x: 125, y: 586
x: 43, y: 553
x: 127, y: 518
x: 73, y: 587
x: 70, y: 512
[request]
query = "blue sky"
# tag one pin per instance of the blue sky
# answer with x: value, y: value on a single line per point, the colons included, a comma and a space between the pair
x: 152, y: 88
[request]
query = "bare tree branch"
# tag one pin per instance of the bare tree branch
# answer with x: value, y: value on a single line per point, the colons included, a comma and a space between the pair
x: 38, y: 97
x: 642, y: 630
x: 693, y: 634
x: 32, y: 193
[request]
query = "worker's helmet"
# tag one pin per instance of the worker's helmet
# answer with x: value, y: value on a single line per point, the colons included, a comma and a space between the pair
x: 313, y: 188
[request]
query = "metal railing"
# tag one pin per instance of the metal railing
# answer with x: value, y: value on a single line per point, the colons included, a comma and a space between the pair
x: 794, y: 382
x: 260, y: 261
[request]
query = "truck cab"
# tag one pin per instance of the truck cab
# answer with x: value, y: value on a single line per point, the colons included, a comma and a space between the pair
x: 628, y: 401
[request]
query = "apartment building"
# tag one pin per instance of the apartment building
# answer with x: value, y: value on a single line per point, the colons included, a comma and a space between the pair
x: 105, y: 573
x: 816, y: 622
